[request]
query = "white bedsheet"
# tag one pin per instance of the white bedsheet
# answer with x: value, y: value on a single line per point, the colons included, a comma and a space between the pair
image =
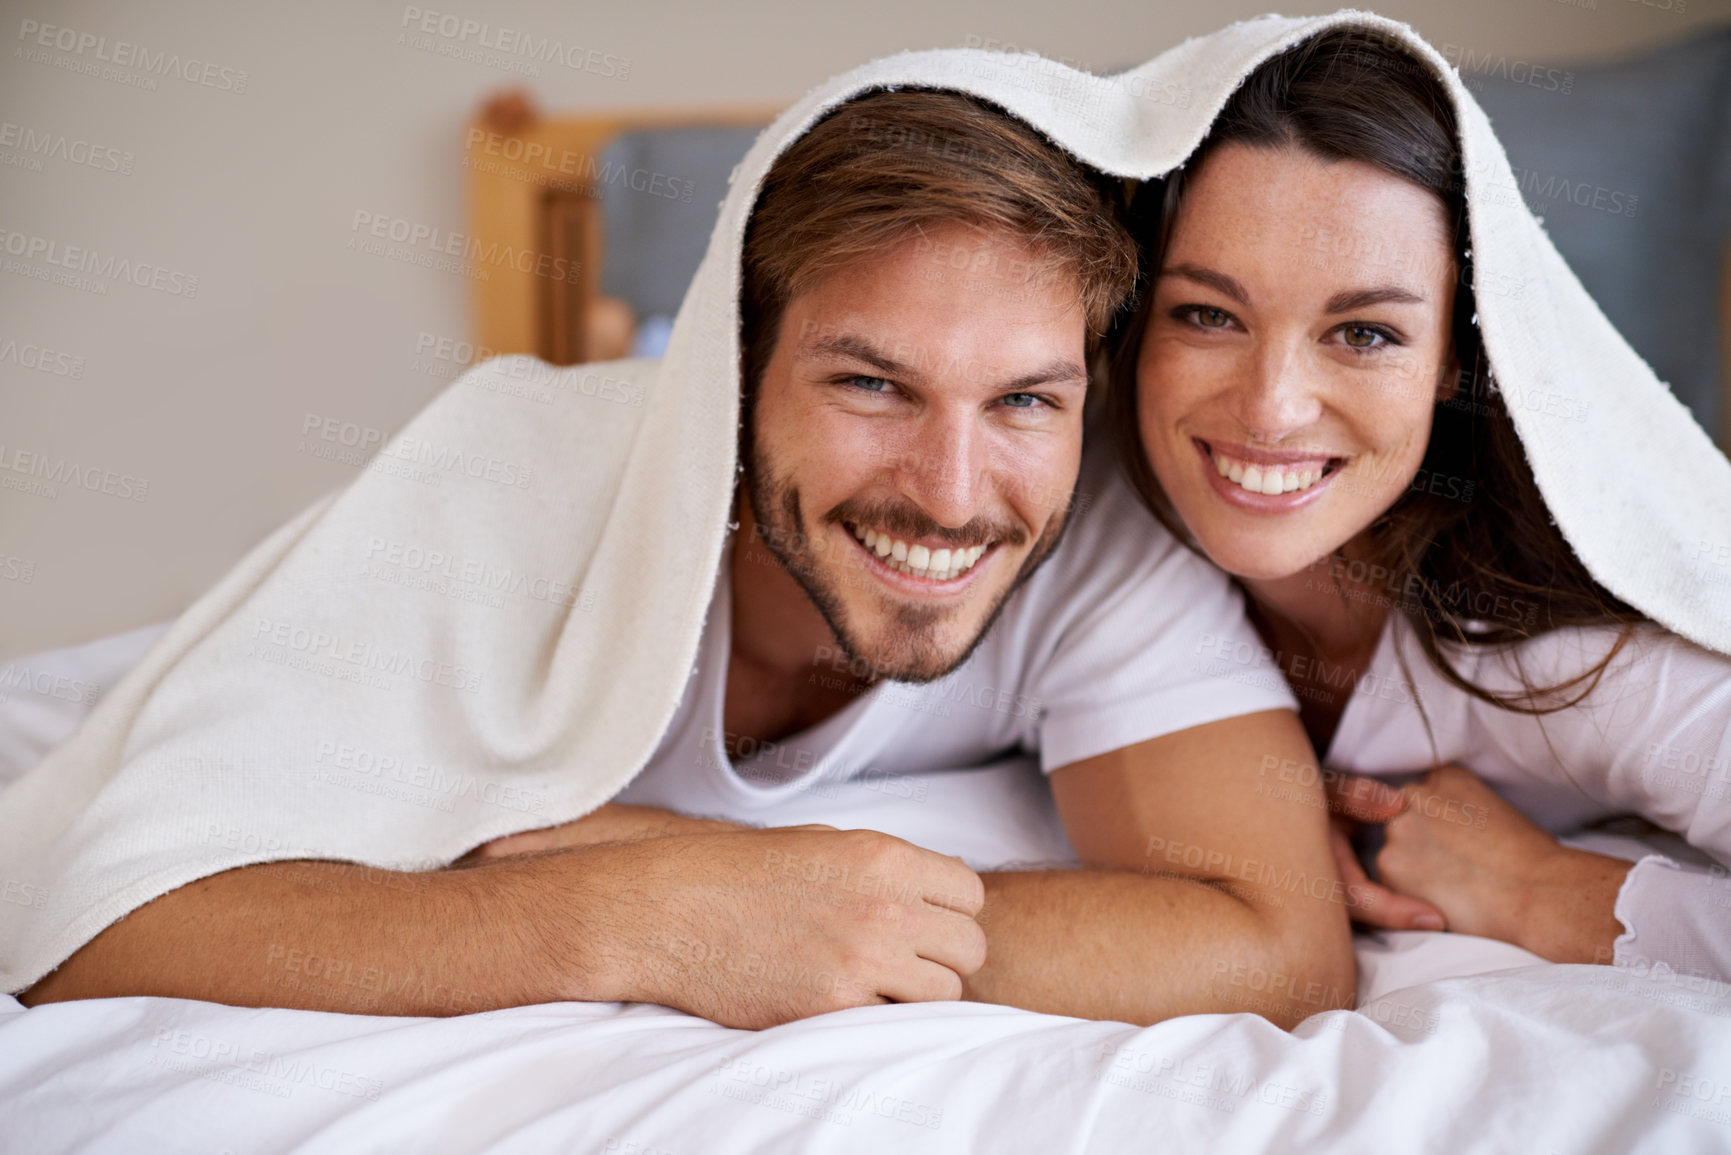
x: 1549, y: 1059
x: 1460, y: 1044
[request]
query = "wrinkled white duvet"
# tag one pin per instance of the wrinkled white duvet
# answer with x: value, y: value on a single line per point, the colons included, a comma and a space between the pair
x: 1532, y: 1059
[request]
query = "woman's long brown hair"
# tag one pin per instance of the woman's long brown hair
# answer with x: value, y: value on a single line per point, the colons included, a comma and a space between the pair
x: 1352, y: 95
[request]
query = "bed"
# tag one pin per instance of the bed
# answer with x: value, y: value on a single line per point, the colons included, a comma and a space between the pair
x: 1458, y: 1044
x: 1557, y: 1060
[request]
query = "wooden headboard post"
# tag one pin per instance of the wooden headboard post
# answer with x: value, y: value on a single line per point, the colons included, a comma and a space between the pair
x: 533, y: 188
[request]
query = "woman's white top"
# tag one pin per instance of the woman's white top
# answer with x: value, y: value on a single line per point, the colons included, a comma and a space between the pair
x: 1653, y: 738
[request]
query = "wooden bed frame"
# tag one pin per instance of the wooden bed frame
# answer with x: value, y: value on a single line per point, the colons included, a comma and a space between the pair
x: 532, y: 189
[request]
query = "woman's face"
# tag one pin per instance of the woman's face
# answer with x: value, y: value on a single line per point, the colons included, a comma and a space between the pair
x: 1297, y: 344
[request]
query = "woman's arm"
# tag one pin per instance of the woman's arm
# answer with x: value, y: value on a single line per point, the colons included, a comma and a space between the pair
x: 1652, y: 738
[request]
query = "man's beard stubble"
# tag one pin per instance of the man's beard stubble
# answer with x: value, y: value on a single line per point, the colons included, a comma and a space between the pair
x: 913, y: 651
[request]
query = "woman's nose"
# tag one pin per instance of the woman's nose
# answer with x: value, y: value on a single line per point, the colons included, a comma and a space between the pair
x: 1279, y: 396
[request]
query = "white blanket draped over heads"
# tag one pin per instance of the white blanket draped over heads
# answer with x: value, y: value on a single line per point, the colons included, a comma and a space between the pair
x: 488, y: 630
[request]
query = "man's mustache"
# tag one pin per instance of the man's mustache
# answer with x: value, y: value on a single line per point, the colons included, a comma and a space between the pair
x: 907, y: 521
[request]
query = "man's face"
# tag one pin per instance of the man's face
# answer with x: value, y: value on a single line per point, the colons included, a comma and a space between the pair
x: 916, y: 438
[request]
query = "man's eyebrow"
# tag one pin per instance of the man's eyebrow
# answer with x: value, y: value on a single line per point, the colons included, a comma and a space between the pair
x: 1219, y: 282
x: 857, y: 349
x: 1060, y: 370
x: 1350, y: 299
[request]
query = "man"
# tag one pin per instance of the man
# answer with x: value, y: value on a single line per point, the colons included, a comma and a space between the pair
x: 925, y: 281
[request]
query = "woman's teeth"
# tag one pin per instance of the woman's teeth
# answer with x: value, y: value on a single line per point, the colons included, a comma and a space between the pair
x: 1269, y: 479
x: 938, y: 565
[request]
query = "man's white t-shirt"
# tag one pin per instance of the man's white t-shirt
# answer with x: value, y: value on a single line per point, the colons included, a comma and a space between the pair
x: 1101, y: 648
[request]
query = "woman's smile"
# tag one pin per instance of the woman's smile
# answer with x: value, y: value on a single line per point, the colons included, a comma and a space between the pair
x: 1266, y: 481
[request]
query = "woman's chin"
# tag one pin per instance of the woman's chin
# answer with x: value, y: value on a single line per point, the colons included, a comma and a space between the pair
x: 1252, y: 560
x: 1252, y: 572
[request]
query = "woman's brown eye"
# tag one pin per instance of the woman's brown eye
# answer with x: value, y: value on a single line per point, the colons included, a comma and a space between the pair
x: 1360, y: 337
x: 1212, y: 318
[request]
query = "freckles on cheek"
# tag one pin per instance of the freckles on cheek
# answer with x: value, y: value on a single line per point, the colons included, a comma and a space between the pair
x: 1178, y: 381
x: 1166, y: 445
x: 1409, y: 452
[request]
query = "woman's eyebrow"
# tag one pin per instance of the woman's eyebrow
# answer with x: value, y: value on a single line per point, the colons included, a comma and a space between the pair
x: 1220, y: 282
x: 1342, y: 302
x: 1346, y: 302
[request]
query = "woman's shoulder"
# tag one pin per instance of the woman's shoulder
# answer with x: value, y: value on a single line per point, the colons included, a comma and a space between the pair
x: 1606, y: 663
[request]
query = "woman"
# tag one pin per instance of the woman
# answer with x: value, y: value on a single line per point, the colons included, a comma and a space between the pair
x: 1303, y: 395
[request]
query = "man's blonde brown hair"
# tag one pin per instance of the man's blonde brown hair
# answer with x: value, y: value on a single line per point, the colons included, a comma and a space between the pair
x: 885, y: 166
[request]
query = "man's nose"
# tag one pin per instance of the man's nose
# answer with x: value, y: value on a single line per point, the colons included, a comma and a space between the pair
x: 943, y: 470
x: 1279, y: 396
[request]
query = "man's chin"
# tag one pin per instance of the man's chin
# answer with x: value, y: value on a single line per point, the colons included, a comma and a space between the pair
x: 911, y: 639
x: 915, y: 647
x: 899, y: 666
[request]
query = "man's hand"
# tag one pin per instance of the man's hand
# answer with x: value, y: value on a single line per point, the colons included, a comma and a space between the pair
x: 1455, y: 845
x: 766, y: 926
x: 759, y: 927
x: 613, y: 822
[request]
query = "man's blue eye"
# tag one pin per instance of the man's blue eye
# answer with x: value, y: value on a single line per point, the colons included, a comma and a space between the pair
x: 1021, y: 400
x: 872, y: 384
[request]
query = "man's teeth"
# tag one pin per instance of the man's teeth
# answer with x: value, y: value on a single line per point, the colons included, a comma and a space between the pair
x: 1269, y: 479
x: 939, y: 565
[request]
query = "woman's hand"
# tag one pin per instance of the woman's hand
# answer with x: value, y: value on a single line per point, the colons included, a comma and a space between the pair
x: 1454, y: 844
x: 613, y: 822
x: 1353, y: 802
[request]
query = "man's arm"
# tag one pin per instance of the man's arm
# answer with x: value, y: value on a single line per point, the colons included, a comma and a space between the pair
x: 1209, y: 886
x: 712, y: 923
x: 1210, y: 883
x: 610, y: 822
x: 334, y: 936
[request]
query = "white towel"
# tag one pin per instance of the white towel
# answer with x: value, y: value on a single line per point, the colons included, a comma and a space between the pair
x: 488, y: 630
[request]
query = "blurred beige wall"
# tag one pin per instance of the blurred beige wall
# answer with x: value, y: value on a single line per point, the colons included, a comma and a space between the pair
x: 190, y: 405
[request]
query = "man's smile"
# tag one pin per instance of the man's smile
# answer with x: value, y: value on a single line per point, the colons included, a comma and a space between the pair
x: 933, y: 568
x: 938, y: 564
